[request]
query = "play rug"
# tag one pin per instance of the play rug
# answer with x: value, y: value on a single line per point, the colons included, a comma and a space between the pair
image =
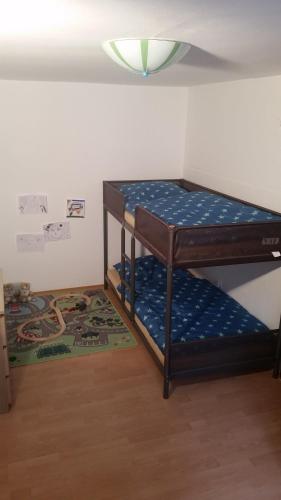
x: 72, y: 325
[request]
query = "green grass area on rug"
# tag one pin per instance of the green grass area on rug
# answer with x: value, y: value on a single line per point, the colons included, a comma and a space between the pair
x: 88, y: 328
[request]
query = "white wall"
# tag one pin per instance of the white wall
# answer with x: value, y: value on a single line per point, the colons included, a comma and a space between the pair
x: 63, y: 139
x: 234, y: 145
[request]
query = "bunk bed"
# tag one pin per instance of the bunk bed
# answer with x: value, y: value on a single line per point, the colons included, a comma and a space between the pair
x: 185, y: 225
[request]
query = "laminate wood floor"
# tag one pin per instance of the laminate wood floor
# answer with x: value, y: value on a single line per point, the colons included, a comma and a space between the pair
x: 97, y: 428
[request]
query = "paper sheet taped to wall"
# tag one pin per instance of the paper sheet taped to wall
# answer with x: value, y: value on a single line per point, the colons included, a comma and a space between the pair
x: 30, y: 204
x: 30, y: 242
x: 56, y: 231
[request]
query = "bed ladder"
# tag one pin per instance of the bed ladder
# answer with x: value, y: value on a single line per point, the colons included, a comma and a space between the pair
x: 129, y: 285
x: 277, y: 362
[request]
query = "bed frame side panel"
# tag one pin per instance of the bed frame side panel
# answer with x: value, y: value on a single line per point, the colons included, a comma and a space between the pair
x: 154, y: 234
x: 227, y: 244
x: 113, y: 200
x: 253, y: 350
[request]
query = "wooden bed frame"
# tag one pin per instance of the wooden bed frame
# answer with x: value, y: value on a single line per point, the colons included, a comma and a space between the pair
x: 190, y: 247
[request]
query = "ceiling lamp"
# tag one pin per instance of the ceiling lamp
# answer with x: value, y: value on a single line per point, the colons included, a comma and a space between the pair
x: 145, y: 56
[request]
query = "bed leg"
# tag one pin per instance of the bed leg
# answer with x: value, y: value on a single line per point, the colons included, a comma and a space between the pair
x: 123, y: 272
x: 277, y: 362
x: 105, y: 247
x: 167, y: 365
x: 132, y: 279
x: 166, y: 388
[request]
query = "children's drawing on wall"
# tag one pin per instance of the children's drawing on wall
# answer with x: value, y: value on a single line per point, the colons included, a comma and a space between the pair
x: 75, y: 208
x: 30, y: 242
x: 57, y: 231
x: 30, y: 204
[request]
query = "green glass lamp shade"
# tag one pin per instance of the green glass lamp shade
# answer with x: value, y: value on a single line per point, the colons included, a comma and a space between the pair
x: 145, y: 56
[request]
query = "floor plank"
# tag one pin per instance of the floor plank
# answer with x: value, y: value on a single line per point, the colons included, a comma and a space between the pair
x: 97, y: 428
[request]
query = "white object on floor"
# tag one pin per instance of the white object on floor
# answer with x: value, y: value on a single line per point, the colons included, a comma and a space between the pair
x: 5, y: 394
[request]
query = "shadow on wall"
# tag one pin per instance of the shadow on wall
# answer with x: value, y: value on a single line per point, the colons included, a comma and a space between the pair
x: 197, y: 57
x: 238, y: 275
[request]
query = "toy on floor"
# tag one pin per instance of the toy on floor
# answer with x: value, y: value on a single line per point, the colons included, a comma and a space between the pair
x: 17, y: 292
x: 59, y: 317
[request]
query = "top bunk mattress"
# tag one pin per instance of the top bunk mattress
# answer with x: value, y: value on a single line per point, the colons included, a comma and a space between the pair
x: 202, y: 208
x: 179, y: 207
x: 144, y: 193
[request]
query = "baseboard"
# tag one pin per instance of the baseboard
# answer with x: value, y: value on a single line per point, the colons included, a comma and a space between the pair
x: 68, y: 290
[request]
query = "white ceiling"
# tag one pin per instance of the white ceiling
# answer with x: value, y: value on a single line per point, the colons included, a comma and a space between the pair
x: 61, y: 39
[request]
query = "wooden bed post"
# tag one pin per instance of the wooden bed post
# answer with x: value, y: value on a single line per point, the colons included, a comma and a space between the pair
x: 167, y: 367
x: 277, y: 362
x: 168, y: 314
x: 132, y: 278
x: 105, y: 247
x: 123, y: 261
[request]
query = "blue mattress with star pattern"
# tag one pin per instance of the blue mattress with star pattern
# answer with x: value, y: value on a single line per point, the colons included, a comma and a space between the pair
x: 179, y: 207
x: 143, y: 192
x: 200, y: 310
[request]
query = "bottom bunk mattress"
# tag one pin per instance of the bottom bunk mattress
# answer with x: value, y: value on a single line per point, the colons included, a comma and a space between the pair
x: 200, y: 310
